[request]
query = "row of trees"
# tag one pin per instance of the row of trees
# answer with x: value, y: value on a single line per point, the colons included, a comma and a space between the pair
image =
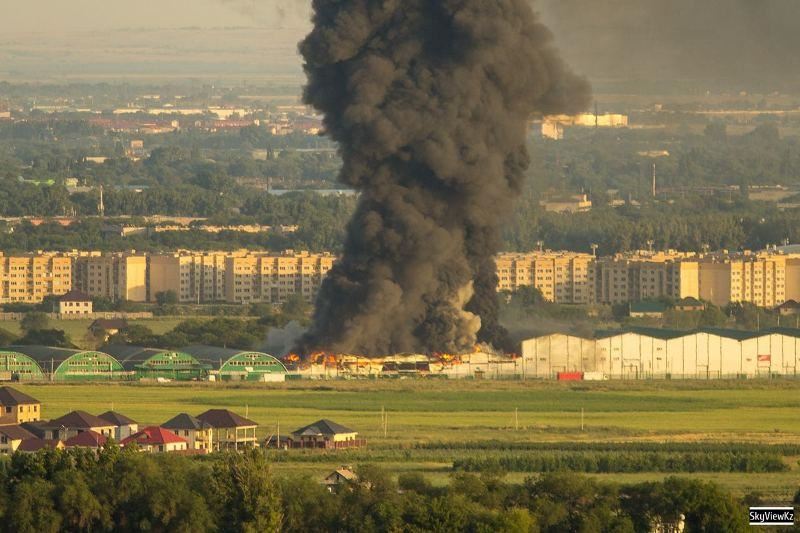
x: 688, y: 225
x: 605, y: 462
x: 129, y: 491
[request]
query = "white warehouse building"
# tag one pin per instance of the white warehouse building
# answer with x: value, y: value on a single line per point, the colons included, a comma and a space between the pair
x: 649, y: 353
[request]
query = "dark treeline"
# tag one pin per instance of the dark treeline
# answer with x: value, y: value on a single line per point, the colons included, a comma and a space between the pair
x: 687, y: 225
x: 123, y: 490
x: 676, y: 447
x: 684, y: 225
x: 198, y: 174
x: 320, y: 219
x: 625, y: 462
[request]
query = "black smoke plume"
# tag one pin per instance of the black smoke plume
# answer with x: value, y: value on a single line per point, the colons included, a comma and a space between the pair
x: 429, y: 101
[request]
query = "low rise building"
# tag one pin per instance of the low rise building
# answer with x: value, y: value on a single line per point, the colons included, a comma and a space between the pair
x: 11, y: 437
x: 123, y: 426
x: 154, y: 439
x: 75, y: 422
x: 325, y: 434
x: 230, y: 431
x: 197, y: 433
x: 75, y: 302
x: 17, y: 407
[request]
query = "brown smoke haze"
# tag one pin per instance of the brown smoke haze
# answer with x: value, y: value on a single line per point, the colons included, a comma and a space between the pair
x: 429, y: 102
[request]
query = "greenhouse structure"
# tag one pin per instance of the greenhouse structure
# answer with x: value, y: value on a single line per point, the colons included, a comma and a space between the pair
x: 239, y: 365
x: 16, y: 366
x: 155, y: 363
x: 62, y: 364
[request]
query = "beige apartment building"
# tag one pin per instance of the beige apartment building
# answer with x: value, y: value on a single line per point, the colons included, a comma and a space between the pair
x: 767, y: 279
x: 194, y: 276
x: 637, y: 276
x: 272, y: 278
x: 764, y: 279
x: 30, y: 278
x: 562, y: 277
x: 117, y: 276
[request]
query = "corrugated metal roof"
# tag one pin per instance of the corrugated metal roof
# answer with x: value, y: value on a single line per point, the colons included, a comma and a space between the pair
x: 125, y: 353
x: 736, y: 334
x: 45, y: 354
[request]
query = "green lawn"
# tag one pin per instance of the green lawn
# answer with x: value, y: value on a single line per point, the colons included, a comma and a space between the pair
x: 454, y: 412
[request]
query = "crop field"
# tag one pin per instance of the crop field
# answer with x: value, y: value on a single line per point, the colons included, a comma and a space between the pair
x: 744, y: 434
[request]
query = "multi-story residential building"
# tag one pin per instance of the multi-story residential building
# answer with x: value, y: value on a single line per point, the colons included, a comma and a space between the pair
x: 766, y: 278
x: 30, y: 278
x: 194, y: 276
x: 562, y: 277
x: 641, y: 275
x: 117, y: 276
x: 271, y: 279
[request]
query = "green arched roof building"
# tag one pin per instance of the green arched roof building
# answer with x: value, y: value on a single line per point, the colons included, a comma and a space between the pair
x: 63, y: 364
x: 19, y: 366
x: 158, y: 363
x: 235, y: 364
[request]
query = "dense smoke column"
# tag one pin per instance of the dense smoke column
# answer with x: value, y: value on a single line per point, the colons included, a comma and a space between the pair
x: 429, y: 101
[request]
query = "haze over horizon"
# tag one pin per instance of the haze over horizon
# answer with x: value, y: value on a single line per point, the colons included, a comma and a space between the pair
x: 719, y: 44
x: 99, y: 15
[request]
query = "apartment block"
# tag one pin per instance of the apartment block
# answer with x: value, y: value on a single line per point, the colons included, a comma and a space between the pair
x: 562, y: 277
x: 117, y: 276
x: 271, y: 279
x: 195, y: 277
x: 760, y: 279
x: 30, y: 278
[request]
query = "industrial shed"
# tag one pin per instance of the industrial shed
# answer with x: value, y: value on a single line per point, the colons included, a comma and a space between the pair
x: 63, y: 364
x: 650, y: 353
x: 153, y: 363
x: 239, y: 365
x: 16, y: 366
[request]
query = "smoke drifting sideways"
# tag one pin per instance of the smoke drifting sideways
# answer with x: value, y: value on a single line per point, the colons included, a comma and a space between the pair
x: 429, y: 101
x: 717, y: 44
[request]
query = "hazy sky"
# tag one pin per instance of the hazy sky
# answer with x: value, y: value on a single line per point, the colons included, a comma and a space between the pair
x: 71, y: 15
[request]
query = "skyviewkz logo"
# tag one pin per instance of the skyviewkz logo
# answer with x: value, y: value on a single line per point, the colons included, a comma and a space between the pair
x: 772, y: 516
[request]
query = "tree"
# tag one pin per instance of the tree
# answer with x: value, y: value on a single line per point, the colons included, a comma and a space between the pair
x: 46, y: 337
x: 247, y: 498
x: 34, y: 321
x: 6, y: 338
x: 164, y: 298
x: 295, y: 307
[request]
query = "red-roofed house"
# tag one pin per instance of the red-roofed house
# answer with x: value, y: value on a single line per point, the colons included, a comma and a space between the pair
x: 87, y: 439
x: 156, y: 439
x: 36, y: 444
x: 11, y: 437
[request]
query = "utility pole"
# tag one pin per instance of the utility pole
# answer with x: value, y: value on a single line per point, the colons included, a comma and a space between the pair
x: 581, y: 418
x: 654, y: 179
x: 101, y: 208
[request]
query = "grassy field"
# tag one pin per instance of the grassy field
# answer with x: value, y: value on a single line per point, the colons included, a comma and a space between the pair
x: 422, y: 412
x: 76, y: 329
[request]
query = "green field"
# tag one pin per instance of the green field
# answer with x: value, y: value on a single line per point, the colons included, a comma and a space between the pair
x: 76, y: 329
x: 453, y: 413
